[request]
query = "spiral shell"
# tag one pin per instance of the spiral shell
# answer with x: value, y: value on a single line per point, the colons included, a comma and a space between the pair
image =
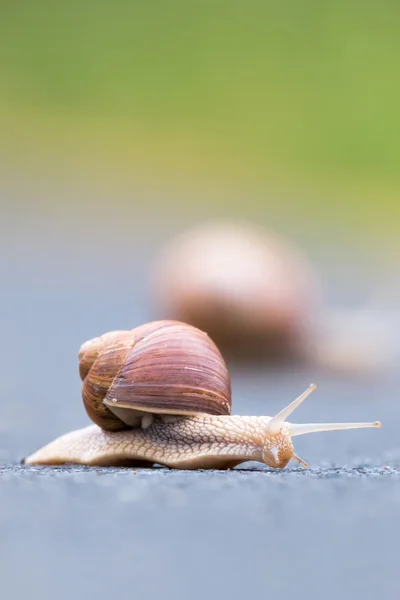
x: 163, y: 367
x: 252, y: 290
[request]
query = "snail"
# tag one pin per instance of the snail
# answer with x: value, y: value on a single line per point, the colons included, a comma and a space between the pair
x: 253, y: 291
x: 258, y: 296
x: 161, y: 394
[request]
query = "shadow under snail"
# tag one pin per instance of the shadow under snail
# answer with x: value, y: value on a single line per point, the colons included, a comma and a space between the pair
x: 161, y: 394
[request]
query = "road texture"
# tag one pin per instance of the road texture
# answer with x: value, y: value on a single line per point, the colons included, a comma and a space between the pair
x: 329, y: 532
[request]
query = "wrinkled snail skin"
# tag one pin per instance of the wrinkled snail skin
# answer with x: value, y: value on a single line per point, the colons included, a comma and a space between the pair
x: 198, y: 442
x: 186, y: 443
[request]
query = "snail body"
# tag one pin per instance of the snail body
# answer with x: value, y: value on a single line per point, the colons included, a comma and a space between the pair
x: 161, y: 393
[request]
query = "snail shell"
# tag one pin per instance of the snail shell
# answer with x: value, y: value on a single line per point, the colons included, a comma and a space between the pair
x: 163, y: 367
x: 253, y: 291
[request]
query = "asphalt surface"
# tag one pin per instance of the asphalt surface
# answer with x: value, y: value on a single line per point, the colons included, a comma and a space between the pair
x: 79, y: 533
x: 330, y: 531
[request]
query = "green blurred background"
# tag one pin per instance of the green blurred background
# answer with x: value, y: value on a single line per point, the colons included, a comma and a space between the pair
x: 246, y: 107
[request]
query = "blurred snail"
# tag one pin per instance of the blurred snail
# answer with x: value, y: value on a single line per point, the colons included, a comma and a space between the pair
x: 257, y: 296
x: 254, y: 293
x: 161, y: 393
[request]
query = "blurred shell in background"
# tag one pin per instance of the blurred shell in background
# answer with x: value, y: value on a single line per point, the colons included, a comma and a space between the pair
x: 257, y: 296
x: 253, y: 292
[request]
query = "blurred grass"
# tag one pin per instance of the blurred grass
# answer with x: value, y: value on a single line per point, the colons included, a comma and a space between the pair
x: 296, y: 94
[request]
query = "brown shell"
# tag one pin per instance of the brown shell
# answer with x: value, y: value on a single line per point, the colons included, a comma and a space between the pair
x: 163, y: 367
x: 253, y: 291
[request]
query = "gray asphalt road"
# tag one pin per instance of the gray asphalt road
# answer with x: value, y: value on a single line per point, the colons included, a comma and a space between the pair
x: 329, y: 532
